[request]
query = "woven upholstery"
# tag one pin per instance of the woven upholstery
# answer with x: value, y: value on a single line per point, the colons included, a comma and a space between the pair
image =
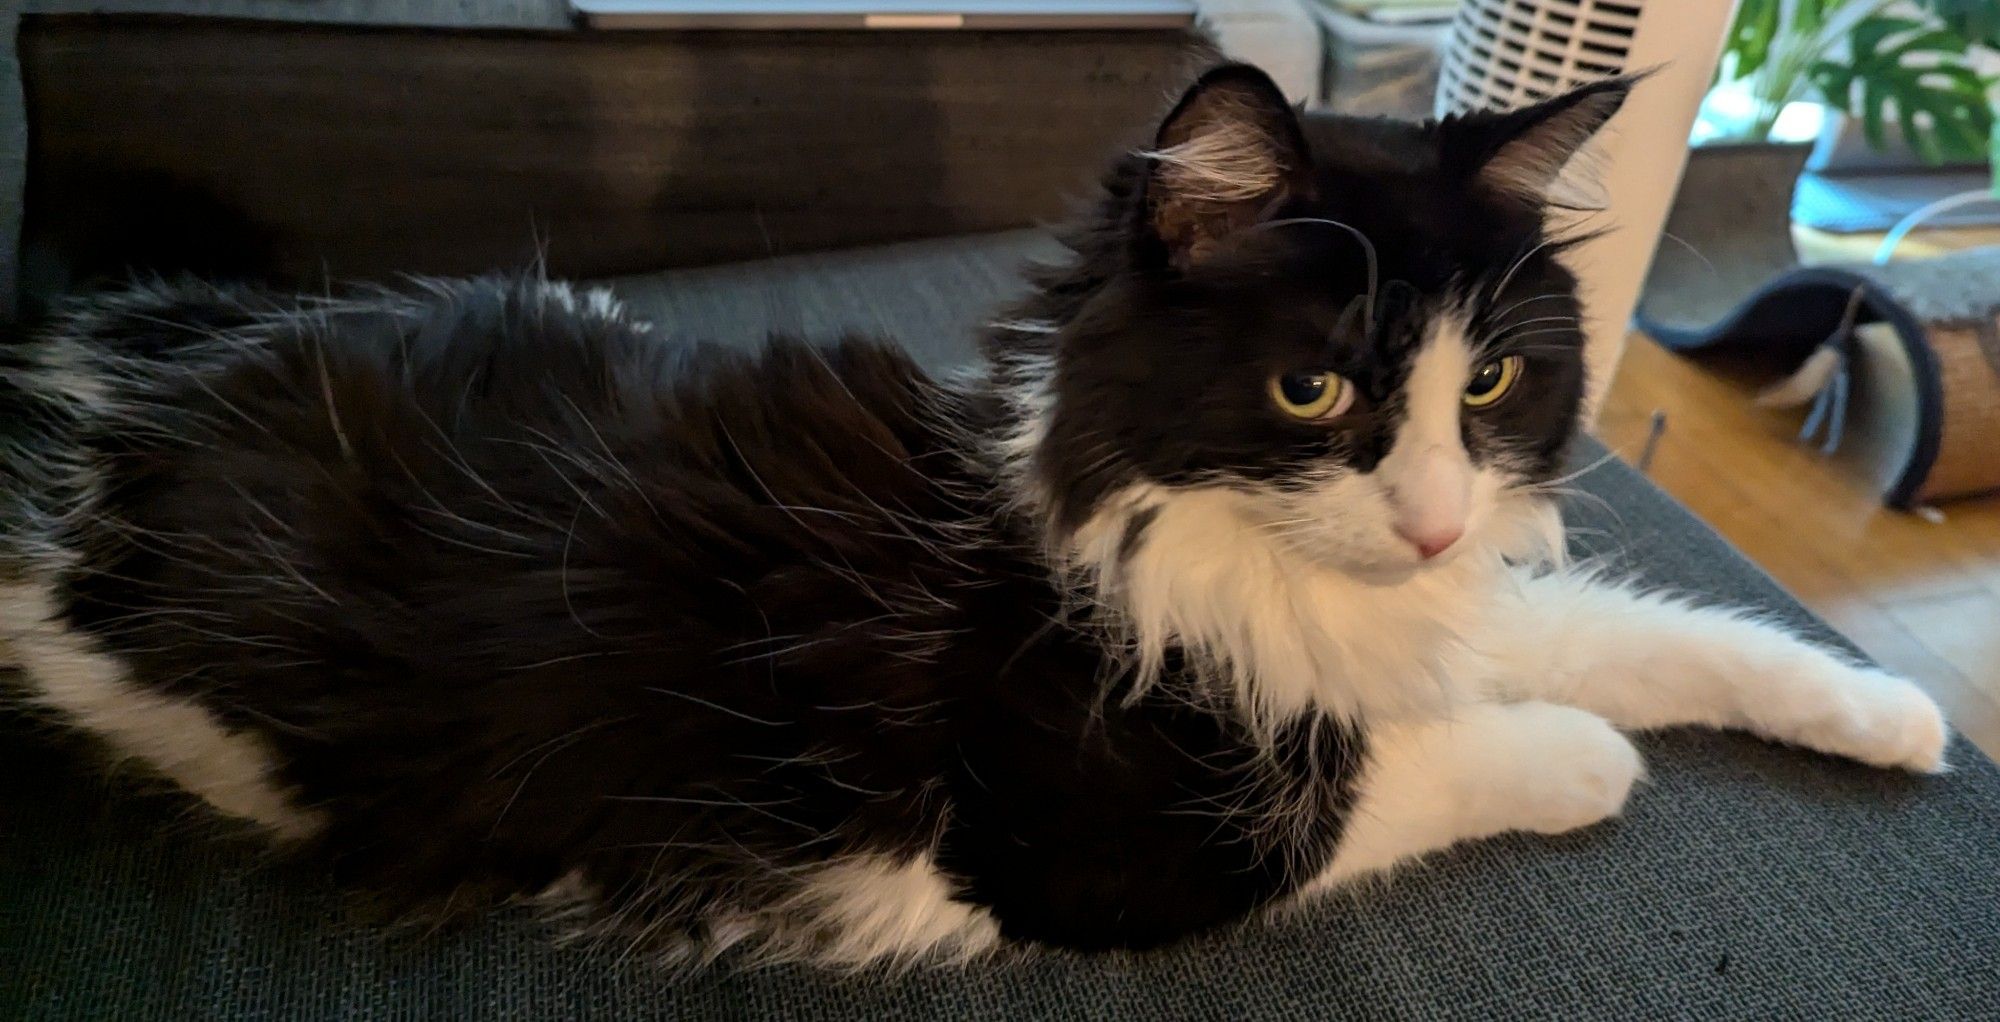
x: 1746, y: 880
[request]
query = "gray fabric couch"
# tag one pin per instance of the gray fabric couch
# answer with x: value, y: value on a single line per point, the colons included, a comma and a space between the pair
x: 1746, y: 880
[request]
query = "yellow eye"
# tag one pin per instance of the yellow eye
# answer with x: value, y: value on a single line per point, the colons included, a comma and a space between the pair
x: 1492, y: 381
x: 1311, y: 395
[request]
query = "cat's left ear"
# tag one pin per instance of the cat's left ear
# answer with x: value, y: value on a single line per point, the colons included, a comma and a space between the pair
x: 1229, y: 153
x: 1523, y: 152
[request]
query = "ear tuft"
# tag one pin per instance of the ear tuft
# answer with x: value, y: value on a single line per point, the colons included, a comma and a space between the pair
x: 1522, y: 152
x: 1229, y: 151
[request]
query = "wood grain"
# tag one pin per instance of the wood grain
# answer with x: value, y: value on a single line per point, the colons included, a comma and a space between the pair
x: 366, y: 152
x: 1922, y: 598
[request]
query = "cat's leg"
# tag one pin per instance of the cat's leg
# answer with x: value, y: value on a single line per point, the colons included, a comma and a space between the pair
x: 1488, y: 769
x: 1646, y: 661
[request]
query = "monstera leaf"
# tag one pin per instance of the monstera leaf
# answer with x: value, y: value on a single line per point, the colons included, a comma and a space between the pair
x: 1917, y: 73
x: 1976, y: 20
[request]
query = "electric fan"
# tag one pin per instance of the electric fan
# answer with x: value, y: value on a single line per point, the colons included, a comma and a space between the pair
x: 1506, y: 53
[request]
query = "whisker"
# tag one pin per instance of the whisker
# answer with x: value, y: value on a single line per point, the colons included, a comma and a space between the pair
x: 1693, y: 251
x: 1374, y: 268
x: 1507, y: 343
x: 1545, y: 319
x: 1609, y: 456
x: 1508, y: 277
x: 1502, y: 314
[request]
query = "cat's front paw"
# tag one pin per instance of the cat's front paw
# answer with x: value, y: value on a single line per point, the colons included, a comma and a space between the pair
x: 1584, y: 769
x: 1876, y: 718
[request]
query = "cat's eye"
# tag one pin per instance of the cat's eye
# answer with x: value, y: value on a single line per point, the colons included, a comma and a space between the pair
x: 1492, y: 381
x: 1306, y: 395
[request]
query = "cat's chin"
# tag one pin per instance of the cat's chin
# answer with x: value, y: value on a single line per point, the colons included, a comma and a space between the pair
x: 1383, y: 576
x: 1383, y: 573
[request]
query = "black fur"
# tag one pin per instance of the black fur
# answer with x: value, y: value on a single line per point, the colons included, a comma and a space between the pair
x: 1153, y: 345
x: 513, y: 590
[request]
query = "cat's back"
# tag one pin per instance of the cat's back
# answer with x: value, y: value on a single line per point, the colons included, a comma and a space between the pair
x: 414, y: 542
x: 494, y: 407
x: 463, y: 450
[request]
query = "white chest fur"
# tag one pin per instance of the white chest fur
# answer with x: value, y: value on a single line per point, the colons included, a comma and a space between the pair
x: 1288, y: 635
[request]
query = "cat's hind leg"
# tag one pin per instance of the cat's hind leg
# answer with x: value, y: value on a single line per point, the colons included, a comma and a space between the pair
x: 1646, y: 661
x: 1488, y: 769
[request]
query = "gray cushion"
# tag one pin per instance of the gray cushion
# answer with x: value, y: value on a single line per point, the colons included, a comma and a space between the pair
x: 1746, y: 880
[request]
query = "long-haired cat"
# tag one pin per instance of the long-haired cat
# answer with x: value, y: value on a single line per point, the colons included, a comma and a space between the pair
x: 1232, y: 574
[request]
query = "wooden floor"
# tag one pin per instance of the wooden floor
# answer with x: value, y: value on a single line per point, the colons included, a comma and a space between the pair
x: 1923, y: 598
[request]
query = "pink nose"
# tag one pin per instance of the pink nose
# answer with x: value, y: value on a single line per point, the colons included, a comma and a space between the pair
x: 1431, y: 544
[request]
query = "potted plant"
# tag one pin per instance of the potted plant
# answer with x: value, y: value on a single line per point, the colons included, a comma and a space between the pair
x: 1905, y: 63
x: 1877, y: 60
x: 1903, y: 68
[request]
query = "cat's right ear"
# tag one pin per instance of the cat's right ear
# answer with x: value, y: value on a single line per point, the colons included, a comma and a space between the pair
x: 1523, y: 152
x: 1229, y: 153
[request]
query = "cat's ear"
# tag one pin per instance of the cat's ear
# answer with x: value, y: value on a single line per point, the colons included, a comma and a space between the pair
x: 1228, y: 154
x: 1523, y: 152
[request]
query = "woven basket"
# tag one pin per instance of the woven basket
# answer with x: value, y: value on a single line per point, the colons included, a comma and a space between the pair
x: 1967, y: 463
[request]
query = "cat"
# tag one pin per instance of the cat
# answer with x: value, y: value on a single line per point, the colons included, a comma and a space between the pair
x: 1232, y: 573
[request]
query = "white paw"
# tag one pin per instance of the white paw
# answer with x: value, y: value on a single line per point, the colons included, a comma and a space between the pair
x: 1873, y: 717
x: 1581, y: 769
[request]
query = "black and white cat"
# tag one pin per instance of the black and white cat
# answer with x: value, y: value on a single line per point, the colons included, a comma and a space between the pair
x: 1233, y: 574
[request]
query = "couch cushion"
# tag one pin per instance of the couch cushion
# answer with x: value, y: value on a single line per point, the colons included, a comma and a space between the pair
x: 1745, y: 881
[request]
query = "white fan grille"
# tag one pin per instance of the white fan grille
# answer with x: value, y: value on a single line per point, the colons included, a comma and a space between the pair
x: 1505, y: 53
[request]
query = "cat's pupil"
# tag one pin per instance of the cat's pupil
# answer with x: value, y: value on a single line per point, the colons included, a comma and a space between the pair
x: 1484, y: 380
x: 1302, y: 388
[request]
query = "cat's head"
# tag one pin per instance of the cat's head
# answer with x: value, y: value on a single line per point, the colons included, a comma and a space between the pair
x: 1354, y: 335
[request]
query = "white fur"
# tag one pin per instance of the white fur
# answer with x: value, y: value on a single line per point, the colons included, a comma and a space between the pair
x: 857, y: 912
x: 1288, y: 633
x: 1491, y: 681
x: 1229, y: 162
x: 873, y: 909
x: 1023, y: 381
x: 1489, y: 769
x: 178, y: 738
x: 1613, y: 658
x: 595, y: 302
x: 1647, y: 661
x: 1427, y: 476
x: 1312, y: 598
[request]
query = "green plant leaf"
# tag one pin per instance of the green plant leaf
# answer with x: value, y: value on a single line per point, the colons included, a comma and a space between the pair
x: 1869, y: 34
x: 1750, y: 36
x: 1937, y: 98
x: 1809, y: 15
x: 1976, y: 20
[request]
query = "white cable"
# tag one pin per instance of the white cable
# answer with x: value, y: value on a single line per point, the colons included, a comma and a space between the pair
x: 1917, y: 217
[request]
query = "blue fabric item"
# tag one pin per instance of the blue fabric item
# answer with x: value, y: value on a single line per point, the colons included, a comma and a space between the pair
x: 1745, y: 881
x: 1852, y: 203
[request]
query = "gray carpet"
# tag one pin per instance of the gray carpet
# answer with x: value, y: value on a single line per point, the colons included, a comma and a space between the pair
x: 1746, y: 881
